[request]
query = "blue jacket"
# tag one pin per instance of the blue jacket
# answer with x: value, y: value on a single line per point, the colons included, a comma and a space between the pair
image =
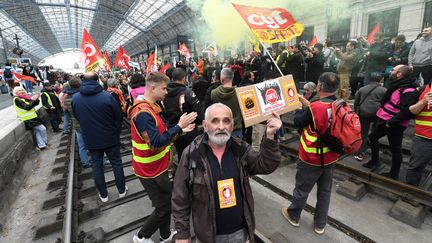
x: 99, y: 116
x: 12, y: 70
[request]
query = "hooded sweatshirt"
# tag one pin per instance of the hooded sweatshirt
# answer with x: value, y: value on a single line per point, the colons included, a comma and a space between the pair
x: 99, y: 115
x: 181, y: 99
x: 228, y: 97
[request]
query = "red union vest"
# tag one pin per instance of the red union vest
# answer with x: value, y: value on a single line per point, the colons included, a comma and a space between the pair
x: 423, y: 120
x: 308, y: 147
x: 148, y: 162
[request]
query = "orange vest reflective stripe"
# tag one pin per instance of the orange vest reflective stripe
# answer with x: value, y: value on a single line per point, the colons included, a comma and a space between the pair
x: 309, y: 151
x: 148, y: 162
x: 423, y: 120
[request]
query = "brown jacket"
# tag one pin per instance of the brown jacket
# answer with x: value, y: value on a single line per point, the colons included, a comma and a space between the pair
x: 198, y: 198
x: 347, y: 61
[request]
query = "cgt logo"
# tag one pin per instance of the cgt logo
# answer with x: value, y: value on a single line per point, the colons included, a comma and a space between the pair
x: 276, y: 20
x: 89, y: 51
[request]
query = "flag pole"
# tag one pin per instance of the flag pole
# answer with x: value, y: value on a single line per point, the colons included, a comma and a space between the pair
x: 271, y: 57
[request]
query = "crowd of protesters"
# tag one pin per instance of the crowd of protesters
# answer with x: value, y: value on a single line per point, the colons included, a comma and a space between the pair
x: 194, y: 106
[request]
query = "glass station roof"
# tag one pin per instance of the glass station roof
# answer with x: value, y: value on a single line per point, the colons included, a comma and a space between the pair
x: 48, y: 27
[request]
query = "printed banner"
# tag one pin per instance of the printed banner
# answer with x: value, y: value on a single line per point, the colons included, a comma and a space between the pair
x: 270, y: 25
x: 257, y: 102
x: 93, y: 57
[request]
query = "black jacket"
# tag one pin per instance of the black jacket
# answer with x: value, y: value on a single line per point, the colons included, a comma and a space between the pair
x: 315, y: 67
x: 403, y: 54
x: 377, y: 59
x: 54, y: 99
x: 199, y: 197
x: 207, y: 98
x: 296, y: 66
x: 181, y: 99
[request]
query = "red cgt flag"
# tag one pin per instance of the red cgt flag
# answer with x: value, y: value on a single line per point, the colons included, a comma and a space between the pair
x: 313, y: 41
x: 270, y: 25
x: 183, y: 50
x: 93, y: 56
x: 375, y: 30
x: 122, y: 59
x: 108, y: 64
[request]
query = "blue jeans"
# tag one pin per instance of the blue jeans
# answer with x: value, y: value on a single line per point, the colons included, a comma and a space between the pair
x: 114, y: 156
x: 28, y: 86
x: 54, y: 120
x: 66, y: 118
x: 82, y: 150
x: 41, y: 135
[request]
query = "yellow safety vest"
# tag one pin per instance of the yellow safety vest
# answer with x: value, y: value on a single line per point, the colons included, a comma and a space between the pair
x: 277, y: 59
x: 48, y: 98
x: 24, y: 115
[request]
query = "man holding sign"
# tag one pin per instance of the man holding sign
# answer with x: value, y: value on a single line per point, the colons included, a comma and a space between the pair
x: 212, y: 180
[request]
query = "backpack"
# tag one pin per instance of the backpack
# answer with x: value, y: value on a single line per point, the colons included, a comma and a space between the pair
x: 343, y: 136
x: 7, y: 73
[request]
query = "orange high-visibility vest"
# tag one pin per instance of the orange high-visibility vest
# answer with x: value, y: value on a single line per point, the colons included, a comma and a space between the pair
x: 309, y: 151
x: 148, y: 162
x: 423, y: 120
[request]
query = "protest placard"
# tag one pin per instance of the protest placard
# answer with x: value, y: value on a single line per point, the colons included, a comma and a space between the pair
x: 257, y: 102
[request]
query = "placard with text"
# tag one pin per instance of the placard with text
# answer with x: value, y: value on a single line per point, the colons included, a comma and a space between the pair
x: 257, y: 102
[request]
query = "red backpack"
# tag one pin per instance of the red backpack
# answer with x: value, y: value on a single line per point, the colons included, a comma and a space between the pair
x: 344, y: 133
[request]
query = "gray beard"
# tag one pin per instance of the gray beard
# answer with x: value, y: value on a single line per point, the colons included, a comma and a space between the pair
x: 217, y: 140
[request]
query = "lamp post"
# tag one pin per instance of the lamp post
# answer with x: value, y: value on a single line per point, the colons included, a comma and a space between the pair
x: 4, y: 46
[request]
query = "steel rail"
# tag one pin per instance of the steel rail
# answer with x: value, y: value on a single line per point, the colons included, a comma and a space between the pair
x: 67, y: 223
x: 403, y: 190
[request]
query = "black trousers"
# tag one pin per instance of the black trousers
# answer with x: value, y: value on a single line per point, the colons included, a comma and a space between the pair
x: 159, y: 191
x: 306, y: 178
x: 394, y: 135
x: 426, y: 73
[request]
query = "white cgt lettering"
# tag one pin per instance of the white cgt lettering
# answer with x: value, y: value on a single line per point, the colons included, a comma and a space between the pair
x: 274, y: 22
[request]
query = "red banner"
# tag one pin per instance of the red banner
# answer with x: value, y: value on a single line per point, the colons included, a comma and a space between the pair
x: 108, y: 64
x: 183, y: 50
x: 375, y: 30
x: 270, y: 25
x: 122, y: 59
x: 150, y: 63
x: 164, y: 68
x: 313, y: 41
x: 19, y: 77
x: 92, y: 54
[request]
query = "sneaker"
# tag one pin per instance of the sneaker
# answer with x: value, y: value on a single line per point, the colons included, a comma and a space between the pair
x: 122, y: 195
x: 136, y: 239
x: 359, y: 157
x: 169, y: 239
x: 318, y: 230
x: 388, y: 175
x: 370, y: 165
x: 103, y: 199
x: 292, y: 221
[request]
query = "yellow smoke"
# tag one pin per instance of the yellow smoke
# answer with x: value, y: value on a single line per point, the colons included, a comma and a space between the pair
x: 222, y: 23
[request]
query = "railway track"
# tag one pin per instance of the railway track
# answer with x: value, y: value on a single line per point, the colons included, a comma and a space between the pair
x: 81, y: 217
x: 408, y: 192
